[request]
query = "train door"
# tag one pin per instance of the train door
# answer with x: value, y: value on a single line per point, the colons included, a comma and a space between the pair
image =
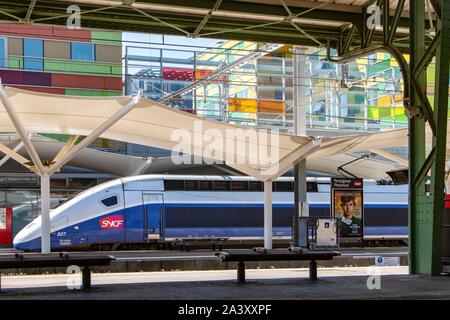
x: 153, y: 215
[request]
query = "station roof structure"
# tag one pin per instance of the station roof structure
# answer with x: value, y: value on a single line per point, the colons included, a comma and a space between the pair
x: 259, y: 153
x: 154, y: 124
x: 311, y: 22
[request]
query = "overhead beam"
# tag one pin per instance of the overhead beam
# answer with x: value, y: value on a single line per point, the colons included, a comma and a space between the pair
x: 30, y: 10
x: 205, y: 19
x: 395, y: 21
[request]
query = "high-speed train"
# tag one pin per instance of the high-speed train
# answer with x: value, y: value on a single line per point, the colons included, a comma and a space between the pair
x: 165, y: 208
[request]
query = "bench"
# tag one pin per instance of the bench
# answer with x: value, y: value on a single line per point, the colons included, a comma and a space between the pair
x: 54, y: 260
x: 241, y: 256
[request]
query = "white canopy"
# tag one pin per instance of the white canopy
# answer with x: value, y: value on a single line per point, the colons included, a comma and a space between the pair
x: 338, y: 151
x: 259, y: 153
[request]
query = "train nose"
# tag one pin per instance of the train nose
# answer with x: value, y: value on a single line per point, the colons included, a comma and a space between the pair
x: 21, y: 242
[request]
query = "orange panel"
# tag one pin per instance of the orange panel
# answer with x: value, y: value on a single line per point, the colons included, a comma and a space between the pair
x: 270, y: 106
x: 201, y: 73
x: 384, y: 101
x: 241, y: 105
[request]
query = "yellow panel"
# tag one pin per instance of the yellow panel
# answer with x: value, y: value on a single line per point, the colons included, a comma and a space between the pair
x: 270, y: 106
x: 384, y: 101
x: 241, y: 105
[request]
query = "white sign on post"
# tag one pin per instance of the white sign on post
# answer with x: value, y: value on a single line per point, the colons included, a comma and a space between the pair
x: 387, y: 261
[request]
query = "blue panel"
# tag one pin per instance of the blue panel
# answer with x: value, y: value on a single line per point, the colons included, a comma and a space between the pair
x: 33, y: 50
x: 2, y: 52
x: 82, y: 51
x: 134, y: 223
x: 153, y: 218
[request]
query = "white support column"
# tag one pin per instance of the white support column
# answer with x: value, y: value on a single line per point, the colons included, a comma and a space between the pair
x: 299, y: 95
x: 268, y: 214
x: 45, y: 214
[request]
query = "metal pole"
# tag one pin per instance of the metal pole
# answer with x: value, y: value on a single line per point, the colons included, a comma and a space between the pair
x: 418, y: 201
x: 45, y: 214
x: 299, y: 94
x: 268, y: 214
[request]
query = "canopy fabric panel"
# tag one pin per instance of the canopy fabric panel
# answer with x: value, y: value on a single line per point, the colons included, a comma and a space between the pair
x: 337, y: 151
x: 259, y: 153
x: 113, y: 163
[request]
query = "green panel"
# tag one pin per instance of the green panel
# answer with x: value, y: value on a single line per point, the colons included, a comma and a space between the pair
x: 82, y: 67
x: 377, y: 67
x: 105, y: 37
x: 15, y: 62
x: 82, y: 92
x: 373, y: 112
x: 431, y: 74
x: 58, y: 137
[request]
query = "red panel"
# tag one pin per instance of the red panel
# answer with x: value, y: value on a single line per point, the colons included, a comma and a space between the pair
x: 113, y: 83
x: 42, y: 89
x: 193, y: 111
x: 11, y: 77
x: 183, y: 74
x: 25, y: 30
x: 91, y: 82
x: 86, y: 82
x: 47, y: 32
x: 64, y: 80
x: 6, y: 226
x: 72, y: 35
x: 447, y: 200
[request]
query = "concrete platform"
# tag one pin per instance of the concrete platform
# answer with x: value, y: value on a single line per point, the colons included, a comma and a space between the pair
x: 271, y: 284
x: 172, y: 260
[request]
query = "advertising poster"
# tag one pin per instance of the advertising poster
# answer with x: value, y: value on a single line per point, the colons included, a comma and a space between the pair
x: 348, y: 206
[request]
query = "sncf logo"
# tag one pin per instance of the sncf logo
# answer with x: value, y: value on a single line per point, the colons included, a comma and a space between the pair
x: 112, y: 222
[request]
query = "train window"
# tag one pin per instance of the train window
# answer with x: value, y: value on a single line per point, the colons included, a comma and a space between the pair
x: 191, y: 185
x: 205, y: 185
x: 172, y: 185
x: 110, y: 201
x: 311, y: 186
x: 239, y: 186
x: 255, y: 186
x: 222, y: 185
x: 285, y: 186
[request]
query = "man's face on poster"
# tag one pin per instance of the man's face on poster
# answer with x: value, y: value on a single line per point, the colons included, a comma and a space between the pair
x: 347, y: 208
